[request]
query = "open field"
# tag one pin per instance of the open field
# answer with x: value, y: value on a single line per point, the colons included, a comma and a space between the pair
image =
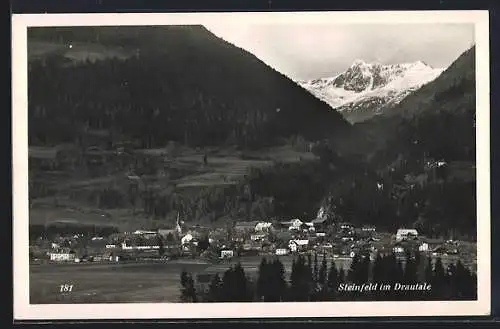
x: 70, y: 197
x: 127, y: 282
x: 135, y: 282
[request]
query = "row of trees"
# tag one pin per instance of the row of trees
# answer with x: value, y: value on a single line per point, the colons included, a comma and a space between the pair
x: 314, y: 280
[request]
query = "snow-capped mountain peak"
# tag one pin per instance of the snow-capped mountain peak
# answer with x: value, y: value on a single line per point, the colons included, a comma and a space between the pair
x: 367, y: 87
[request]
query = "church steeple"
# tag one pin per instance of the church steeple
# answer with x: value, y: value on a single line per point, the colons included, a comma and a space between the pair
x: 178, y: 227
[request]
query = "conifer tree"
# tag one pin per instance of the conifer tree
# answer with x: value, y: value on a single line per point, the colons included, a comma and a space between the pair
x: 278, y: 281
x: 429, y: 271
x: 300, y: 280
x: 364, y: 274
x: 465, y: 282
x: 293, y: 281
x: 399, y: 272
x: 429, y: 277
x: 263, y: 279
x: 410, y: 270
x: 315, y: 268
x: 439, y: 279
x: 214, y: 289
x: 309, y: 277
x: 161, y: 248
x: 188, y: 292
x: 332, y: 280
x: 322, y: 273
x: 378, y: 271
x: 341, y: 279
x: 228, y: 283
x: 241, y: 291
x: 355, y: 269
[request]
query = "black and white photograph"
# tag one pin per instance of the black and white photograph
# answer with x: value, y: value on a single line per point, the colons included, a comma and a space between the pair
x: 247, y: 161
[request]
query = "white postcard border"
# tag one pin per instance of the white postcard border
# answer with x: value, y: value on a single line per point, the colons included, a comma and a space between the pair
x: 24, y: 311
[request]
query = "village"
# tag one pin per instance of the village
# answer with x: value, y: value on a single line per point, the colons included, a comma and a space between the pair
x: 253, y: 238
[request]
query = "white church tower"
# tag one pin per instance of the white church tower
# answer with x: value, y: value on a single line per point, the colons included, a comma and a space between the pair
x: 178, y: 227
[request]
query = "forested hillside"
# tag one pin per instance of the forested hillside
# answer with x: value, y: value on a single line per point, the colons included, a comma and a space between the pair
x: 438, y: 119
x: 178, y: 83
x: 155, y: 85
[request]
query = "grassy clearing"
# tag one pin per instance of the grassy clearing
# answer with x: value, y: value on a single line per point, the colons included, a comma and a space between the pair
x: 133, y: 282
x: 225, y: 167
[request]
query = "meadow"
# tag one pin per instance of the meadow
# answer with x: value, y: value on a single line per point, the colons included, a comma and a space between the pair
x: 128, y: 282
x: 70, y: 198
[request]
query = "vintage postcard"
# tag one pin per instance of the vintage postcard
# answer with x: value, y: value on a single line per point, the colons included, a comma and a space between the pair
x: 243, y: 165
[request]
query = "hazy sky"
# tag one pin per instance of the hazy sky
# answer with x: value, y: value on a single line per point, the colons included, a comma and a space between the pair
x: 314, y: 51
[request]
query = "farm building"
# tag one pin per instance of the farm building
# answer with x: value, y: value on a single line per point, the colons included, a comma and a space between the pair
x: 368, y: 228
x: 423, y: 247
x: 281, y: 251
x: 295, y: 224
x: 263, y: 226
x: 298, y: 245
x: 226, y: 254
x: 62, y: 256
x: 257, y: 237
x: 346, y: 227
x: 187, y: 239
x: 405, y: 234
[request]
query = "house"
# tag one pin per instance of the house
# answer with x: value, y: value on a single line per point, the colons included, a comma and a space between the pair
x: 423, y: 247
x: 398, y: 249
x: 294, y: 224
x: 263, y: 226
x: 309, y: 226
x: 62, y: 256
x: 368, y: 228
x: 406, y: 234
x: 187, y: 239
x: 281, y: 251
x: 149, y: 245
x: 145, y: 233
x: 226, y: 254
x: 346, y: 227
x: 297, y: 245
x: 257, y: 237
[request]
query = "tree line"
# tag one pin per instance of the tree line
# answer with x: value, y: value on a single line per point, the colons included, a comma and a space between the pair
x: 312, y: 279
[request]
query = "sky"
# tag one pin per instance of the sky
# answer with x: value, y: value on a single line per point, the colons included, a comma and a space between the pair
x: 310, y: 51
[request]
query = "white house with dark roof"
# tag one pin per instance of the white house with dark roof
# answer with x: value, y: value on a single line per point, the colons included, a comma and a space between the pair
x: 263, y: 226
x: 296, y: 245
x: 404, y: 234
